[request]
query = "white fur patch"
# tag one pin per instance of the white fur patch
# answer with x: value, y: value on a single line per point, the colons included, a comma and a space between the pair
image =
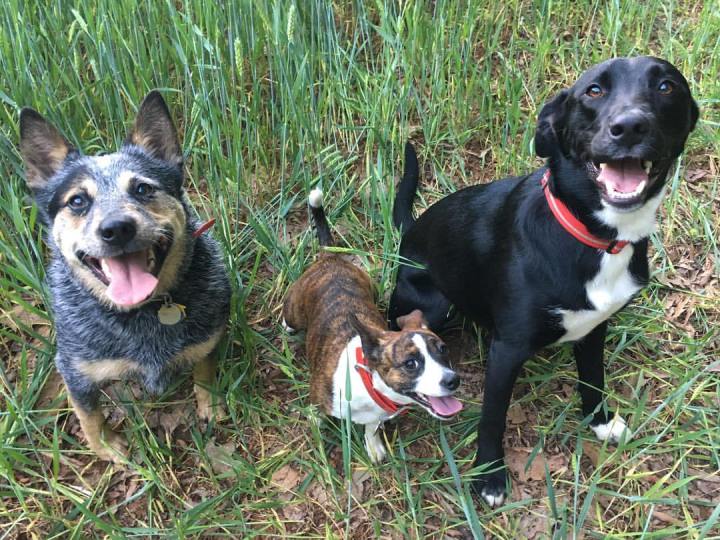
x: 613, y: 286
x: 374, y: 444
x: 315, y: 199
x: 615, y: 430
x: 429, y: 381
x: 105, y: 161
x: 289, y: 329
x: 493, y: 501
x: 636, y: 224
x: 610, y: 289
x: 361, y: 407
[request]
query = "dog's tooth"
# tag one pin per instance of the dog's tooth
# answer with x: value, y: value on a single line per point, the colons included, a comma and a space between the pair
x: 647, y: 165
x: 104, y: 267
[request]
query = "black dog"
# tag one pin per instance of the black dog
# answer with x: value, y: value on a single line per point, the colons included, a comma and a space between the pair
x: 539, y: 265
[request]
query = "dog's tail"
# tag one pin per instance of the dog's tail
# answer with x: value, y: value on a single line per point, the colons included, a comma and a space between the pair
x: 402, y: 210
x: 315, y: 200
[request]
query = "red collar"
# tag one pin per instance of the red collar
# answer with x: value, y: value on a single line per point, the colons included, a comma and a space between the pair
x: 204, y: 227
x: 574, y: 226
x: 384, y: 402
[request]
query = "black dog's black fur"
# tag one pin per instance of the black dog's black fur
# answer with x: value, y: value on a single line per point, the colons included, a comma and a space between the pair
x: 496, y: 253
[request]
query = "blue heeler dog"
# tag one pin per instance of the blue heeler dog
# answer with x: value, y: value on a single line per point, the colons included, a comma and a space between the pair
x: 136, y: 292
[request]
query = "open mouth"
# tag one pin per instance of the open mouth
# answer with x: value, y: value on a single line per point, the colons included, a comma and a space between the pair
x: 439, y: 406
x: 624, y: 181
x: 131, y: 278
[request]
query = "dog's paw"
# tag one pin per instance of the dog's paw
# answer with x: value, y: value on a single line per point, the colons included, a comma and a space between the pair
x: 113, y: 446
x: 615, y: 430
x: 289, y: 329
x: 208, y: 411
x: 375, y: 447
x: 491, y: 487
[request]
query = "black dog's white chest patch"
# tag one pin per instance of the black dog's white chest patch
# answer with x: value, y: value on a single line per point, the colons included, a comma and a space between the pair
x: 610, y: 289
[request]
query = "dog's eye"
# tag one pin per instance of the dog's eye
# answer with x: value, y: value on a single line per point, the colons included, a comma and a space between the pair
x: 442, y: 348
x: 78, y: 202
x: 144, y: 190
x: 411, y: 364
x: 594, y: 91
x: 666, y: 88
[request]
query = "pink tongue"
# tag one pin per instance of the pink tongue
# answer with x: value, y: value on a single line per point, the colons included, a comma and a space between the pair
x: 623, y: 176
x: 130, y: 282
x: 445, y: 406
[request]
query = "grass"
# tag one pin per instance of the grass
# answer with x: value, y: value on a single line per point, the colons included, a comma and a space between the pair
x: 273, y: 98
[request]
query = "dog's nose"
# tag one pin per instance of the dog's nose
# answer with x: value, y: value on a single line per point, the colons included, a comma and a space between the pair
x: 450, y: 381
x: 117, y: 231
x: 629, y: 128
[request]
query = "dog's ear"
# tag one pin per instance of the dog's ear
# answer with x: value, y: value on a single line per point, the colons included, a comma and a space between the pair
x: 43, y: 148
x: 154, y: 130
x: 549, y: 125
x: 412, y: 321
x: 370, y: 337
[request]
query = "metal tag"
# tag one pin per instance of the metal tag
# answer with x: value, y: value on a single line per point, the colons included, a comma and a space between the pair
x: 170, y: 314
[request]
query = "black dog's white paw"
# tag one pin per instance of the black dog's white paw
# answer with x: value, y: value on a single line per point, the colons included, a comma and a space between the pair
x: 615, y: 430
x: 492, y: 488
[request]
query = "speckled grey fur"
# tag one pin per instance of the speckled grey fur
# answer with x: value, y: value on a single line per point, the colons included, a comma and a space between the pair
x: 87, y: 330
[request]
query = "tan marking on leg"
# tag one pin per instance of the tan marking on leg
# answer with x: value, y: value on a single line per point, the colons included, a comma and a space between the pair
x: 110, y: 369
x: 107, y: 443
x: 204, y: 372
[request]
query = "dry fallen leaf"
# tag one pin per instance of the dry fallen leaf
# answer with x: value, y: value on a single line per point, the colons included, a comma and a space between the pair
x: 54, y: 387
x: 285, y: 480
x: 358, y: 483
x: 590, y: 450
x: 170, y: 418
x: 20, y: 316
x: 695, y: 174
x: 294, y: 512
x: 517, y: 460
x: 533, y: 526
x: 516, y: 415
x: 220, y: 456
x: 318, y: 494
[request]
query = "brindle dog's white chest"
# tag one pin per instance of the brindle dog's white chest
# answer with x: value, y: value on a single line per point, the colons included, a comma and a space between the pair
x: 610, y: 289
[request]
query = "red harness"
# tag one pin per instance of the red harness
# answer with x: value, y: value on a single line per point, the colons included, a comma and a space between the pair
x: 384, y: 402
x: 574, y: 226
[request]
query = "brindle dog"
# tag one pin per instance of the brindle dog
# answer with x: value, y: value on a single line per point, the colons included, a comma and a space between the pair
x: 346, y: 335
